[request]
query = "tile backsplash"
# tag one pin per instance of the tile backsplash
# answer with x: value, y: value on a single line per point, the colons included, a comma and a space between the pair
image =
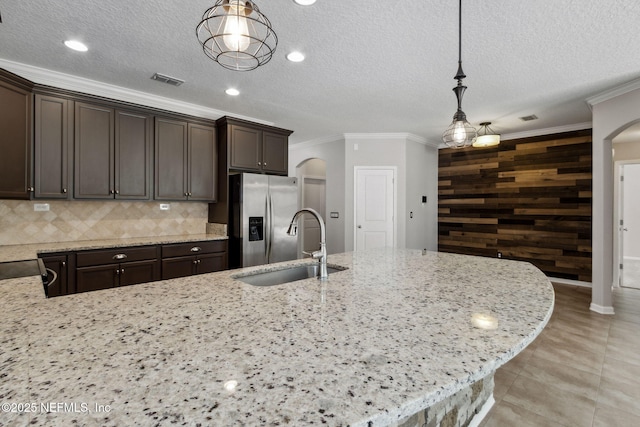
x: 89, y: 220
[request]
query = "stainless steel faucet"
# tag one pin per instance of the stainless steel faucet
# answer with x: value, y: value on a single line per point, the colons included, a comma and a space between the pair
x: 320, y: 255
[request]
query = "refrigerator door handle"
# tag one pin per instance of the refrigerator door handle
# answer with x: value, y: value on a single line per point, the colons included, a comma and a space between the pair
x: 267, y: 228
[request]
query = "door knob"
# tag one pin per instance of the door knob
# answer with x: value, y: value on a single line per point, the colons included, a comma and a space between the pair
x: 625, y: 229
x: 359, y: 226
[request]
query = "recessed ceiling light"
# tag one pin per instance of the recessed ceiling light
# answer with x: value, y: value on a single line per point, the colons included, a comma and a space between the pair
x: 232, y: 92
x: 76, y: 45
x: 305, y: 2
x: 295, y: 57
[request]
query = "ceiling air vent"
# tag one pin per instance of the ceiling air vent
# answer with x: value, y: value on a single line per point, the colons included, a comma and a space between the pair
x: 166, y: 79
x: 529, y: 118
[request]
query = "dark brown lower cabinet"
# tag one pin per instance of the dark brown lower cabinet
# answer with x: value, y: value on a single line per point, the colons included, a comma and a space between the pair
x: 114, y: 275
x: 190, y: 265
x: 186, y: 259
x: 92, y: 270
x: 110, y: 268
x: 59, y: 283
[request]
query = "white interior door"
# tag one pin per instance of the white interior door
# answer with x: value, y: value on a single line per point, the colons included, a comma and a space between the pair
x: 375, y: 208
x: 313, y: 196
x: 630, y: 226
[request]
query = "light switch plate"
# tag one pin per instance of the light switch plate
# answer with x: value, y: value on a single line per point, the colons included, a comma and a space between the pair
x: 165, y: 206
x: 334, y: 215
x: 41, y: 207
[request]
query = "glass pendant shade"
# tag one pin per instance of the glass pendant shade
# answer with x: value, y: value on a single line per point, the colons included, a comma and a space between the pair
x: 459, y: 134
x: 236, y: 35
x: 488, y: 138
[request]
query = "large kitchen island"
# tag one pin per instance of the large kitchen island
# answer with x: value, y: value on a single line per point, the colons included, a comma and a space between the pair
x: 394, y: 335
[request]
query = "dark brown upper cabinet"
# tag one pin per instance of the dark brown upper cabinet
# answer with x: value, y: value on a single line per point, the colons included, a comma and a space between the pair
x: 246, y: 147
x: 112, y: 153
x: 185, y: 161
x: 16, y: 114
x: 53, y: 143
x: 133, y: 155
x: 257, y: 150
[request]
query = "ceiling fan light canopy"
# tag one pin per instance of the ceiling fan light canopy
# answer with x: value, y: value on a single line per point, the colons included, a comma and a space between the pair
x: 236, y: 35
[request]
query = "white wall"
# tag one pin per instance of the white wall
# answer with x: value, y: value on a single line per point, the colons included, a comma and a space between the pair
x: 417, y: 175
x: 375, y: 150
x: 332, y: 152
x: 422, y: 180
x: 625, y: 154
x: 631, y: 241
x: 610, y: 117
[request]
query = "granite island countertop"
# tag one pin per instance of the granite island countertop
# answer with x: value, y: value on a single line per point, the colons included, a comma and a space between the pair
x: 387, y: 337
x: 31, y: 251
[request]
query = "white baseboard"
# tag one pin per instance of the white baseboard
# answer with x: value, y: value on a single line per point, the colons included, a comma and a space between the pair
x: 601, y: 309
x: 477, y: 419
x: 570, y: 282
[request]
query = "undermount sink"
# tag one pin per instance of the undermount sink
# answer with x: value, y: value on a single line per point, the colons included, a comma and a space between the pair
x: 291, y: 274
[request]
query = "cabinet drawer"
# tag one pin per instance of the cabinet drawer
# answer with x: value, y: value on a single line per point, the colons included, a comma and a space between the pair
x: 193, y: 248
x: 117, y: 255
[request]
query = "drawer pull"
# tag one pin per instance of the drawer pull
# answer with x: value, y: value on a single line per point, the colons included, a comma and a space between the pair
x: 119, y: 256
x: 196, y: 249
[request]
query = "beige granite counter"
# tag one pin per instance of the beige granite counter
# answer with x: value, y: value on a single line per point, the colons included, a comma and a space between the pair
x: 391, y: 335
x: 31, y: 251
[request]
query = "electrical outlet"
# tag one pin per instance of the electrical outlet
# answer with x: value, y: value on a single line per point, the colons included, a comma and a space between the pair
x: 165, y: 206
x: 41, y: 207
x: 499, y: 254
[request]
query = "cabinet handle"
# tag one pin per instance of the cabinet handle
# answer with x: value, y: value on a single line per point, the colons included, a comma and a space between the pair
x: 186, y: 194
x: 122, y: 270
x: 265, y: 164
x: 119, y: 256
x: 259, y: 163
x: 64, y: 191
x: 111, y: 192
x: 31, y: 189
x: 117, y: 191
x: 118, y: 271
x: 64, y: 263
x: 195, y: 261
x: 196, y: 249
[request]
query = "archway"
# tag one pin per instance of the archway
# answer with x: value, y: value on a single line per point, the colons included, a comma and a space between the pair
x: 312, y: 178
x: 611, y: 115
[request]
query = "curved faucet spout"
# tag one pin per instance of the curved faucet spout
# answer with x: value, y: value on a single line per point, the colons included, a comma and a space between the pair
x: 320, y: 255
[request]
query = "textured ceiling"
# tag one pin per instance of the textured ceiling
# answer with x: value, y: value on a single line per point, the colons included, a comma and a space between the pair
x: 371, y: 66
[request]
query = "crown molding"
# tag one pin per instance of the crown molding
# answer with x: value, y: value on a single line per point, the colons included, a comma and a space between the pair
x: 364, y: 136
x: 546, y: 131
x: 80, y: 84
x: 315, y: 142
x: 614, y: 92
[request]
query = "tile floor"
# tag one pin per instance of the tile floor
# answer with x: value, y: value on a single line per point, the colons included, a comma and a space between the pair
x: 582, y: 371
x: 631, y: 273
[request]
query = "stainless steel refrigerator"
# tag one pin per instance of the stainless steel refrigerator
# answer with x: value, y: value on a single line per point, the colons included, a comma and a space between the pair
x: 262, y: 207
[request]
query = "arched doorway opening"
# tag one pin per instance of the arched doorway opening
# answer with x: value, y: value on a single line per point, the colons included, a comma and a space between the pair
x: 312, y: 183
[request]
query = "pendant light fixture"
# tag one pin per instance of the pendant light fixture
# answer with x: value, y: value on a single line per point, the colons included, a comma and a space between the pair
x: 236, y: 35
x: 488, y: 138
x: 460, y: 133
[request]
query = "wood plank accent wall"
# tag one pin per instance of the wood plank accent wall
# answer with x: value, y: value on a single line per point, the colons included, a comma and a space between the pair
x: 529, y: 199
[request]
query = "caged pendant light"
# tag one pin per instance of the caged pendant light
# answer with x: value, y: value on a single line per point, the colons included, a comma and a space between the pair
x: 236, y: 35
x: 460, y: 133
